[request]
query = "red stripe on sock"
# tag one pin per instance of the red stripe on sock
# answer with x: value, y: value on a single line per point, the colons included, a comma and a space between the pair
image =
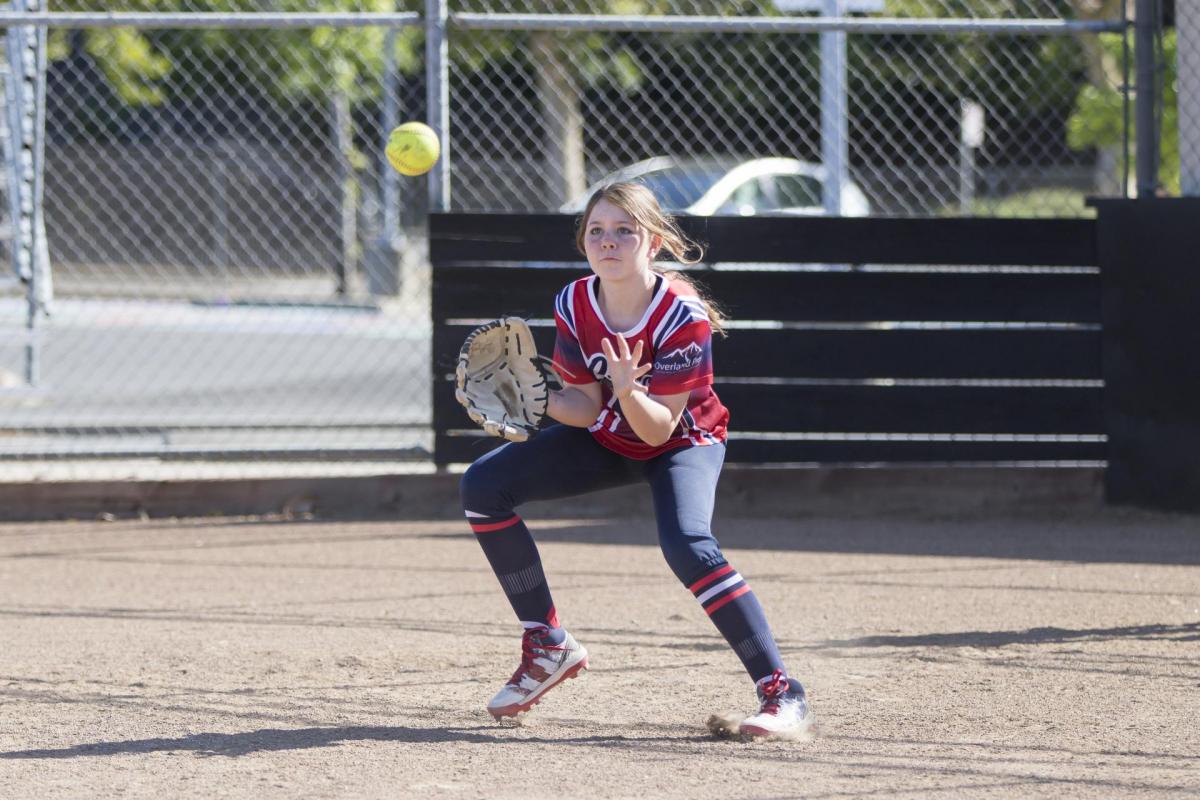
x: 487, y: 527
x: 552, y: 618
x: 710, y: 577
x: 732, y: 595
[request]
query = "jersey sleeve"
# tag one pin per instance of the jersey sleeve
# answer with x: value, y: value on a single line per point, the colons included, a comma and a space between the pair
x: 568, y: 355
x: 684, y: 360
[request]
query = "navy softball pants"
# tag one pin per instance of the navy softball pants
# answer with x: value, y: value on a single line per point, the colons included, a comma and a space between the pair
x: 563, y: 461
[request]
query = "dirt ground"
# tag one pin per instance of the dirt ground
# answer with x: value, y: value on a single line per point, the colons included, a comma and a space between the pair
x: 1027, y: 656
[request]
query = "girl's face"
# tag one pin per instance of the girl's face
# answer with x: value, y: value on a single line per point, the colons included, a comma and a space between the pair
x: 617, y: 247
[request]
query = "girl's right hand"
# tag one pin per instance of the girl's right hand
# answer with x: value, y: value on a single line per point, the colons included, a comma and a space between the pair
x: 624, y: 368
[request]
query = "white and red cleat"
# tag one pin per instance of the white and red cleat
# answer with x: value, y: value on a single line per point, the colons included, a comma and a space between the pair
x: 543, y: 666
x: 784, y: 712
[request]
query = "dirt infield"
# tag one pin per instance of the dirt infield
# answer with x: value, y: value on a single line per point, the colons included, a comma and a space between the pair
x: 1031, y: 656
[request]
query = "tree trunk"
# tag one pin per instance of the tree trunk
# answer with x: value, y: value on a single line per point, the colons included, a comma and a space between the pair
x: 558, y: 98
x: 343, y: 125
x: 1103, y: 71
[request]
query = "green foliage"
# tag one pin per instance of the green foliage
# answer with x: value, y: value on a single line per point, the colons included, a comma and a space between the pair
x: 598, y: 59
x: 1098, y: 116
x: 130, y: 63
x: 143, y: 66
x: 309, y: 66
x: 310, y: 63
x: 1047, y: 202
x: 1023, y: 81
x: 977, y: 9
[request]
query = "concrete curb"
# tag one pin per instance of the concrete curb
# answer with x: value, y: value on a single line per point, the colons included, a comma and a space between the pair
x: 914, y: 491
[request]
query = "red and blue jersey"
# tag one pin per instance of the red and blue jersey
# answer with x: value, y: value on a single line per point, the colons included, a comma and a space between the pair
x: 676, y: 338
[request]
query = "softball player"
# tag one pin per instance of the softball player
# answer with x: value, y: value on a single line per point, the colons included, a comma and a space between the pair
x: 635, y: 350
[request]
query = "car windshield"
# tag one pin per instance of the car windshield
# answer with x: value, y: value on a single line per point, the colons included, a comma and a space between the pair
x: 678, y: 187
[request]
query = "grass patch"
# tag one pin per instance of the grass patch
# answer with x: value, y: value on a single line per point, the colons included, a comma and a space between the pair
x: 1049, y: 202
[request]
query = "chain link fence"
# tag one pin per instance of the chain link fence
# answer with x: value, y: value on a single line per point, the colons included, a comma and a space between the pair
x: 587, y: 105
x: 1187, y: 83
x: 238, y: 274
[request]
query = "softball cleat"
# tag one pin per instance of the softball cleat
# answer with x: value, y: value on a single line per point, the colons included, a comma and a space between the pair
x: 543, y: 666
x: 783, y: 712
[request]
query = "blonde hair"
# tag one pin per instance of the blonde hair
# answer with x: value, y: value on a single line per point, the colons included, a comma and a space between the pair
x: 640, y: 203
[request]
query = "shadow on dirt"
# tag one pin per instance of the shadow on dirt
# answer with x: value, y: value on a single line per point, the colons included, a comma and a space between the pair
x: 1103, y: 536
x: 1189, y: 632
x: 1127, y: 537
x: 276, y: 739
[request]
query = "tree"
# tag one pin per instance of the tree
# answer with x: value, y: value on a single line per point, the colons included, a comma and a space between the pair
x: 1098, y: 118
x: 910, y: 75
x: 564, y: 65
x: 337, y: 69
x: 1103, y: 71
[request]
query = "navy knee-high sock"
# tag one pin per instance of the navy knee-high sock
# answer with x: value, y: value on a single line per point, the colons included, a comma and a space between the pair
x: 736, y: 612
x: 514, y: 558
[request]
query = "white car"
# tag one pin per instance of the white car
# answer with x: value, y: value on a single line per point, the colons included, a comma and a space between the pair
x: 715, y: 187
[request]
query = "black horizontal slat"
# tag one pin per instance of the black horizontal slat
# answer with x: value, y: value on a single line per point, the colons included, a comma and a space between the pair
x: 502, y: 237
x: 483, y: 291
x: 463, y: 449
x: 884, y: 409
x: 489, y: 292
x: 759, y: 451
x: 914, y: 409
x: 962, y: 354
x: 898, y: 240
x: 905, y: 296
x: 937, y: 353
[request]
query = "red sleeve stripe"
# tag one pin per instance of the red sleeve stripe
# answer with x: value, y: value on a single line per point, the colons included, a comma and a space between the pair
x: 488, y: 527
x: 709, y: 578
x: 741, y: 590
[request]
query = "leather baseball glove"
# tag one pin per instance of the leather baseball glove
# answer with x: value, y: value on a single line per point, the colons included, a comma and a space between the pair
x: 501, y: 380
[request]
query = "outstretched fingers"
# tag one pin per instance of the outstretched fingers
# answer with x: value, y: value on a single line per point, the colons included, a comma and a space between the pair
x: 624, y: 368
x: 607, y: 348
x: 635, y: 358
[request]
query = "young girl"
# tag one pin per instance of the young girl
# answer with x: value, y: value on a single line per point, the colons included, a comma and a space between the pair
x: 635, y: 347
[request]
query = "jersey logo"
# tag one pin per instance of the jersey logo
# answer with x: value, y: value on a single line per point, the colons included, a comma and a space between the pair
x: 680, y: 359
x: 598, y: 366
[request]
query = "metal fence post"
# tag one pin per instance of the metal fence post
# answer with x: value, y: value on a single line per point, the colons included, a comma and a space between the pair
x: 391, y: 118
x: 1146, y: 99
x: 437, y: 65
x: 26, y: 100
x: 382, y: 254
x: 833, y: 110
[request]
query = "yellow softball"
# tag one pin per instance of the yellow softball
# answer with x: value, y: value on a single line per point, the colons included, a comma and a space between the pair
x: 413, y: 148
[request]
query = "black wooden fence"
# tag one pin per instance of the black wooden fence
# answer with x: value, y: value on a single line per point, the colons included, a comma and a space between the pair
x: 1068, y: 342
x: 961, y: 341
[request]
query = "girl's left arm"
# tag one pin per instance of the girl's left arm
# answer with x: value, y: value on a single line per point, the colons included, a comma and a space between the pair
x: 577, y: 405
x: 653, y: 417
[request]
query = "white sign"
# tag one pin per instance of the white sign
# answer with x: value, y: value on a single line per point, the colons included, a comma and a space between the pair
x: 972, y: 123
